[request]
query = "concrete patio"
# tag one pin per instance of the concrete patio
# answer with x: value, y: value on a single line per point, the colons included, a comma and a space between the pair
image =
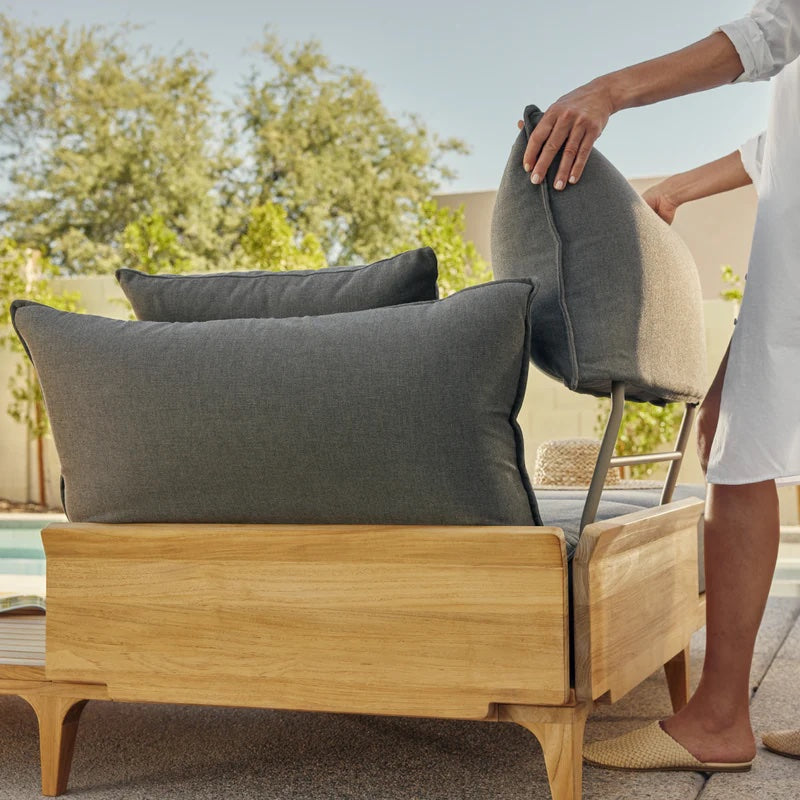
x: 153, y: 752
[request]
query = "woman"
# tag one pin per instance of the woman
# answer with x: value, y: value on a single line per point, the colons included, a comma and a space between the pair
x: 749, y: 422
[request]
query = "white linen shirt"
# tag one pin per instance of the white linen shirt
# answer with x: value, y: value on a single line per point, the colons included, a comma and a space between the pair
x: 766, y: 40
x: 758, y: 430
x: 752, y: 155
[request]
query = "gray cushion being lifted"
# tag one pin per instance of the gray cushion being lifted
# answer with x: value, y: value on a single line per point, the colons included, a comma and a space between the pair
x: 620, y: 297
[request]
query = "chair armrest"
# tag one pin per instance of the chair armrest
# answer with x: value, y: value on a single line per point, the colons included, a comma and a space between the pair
x: 635, y: 594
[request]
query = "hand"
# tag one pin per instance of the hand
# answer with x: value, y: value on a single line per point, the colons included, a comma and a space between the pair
x: 577, y: 118
x: 659, y: 199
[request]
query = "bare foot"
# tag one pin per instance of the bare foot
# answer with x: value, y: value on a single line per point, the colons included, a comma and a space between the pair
x: 708, y: 738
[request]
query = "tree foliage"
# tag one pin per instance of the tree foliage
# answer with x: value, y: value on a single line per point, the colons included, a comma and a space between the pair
x: 735, y: 290
x: 95, y: 136
x: 270, y: 242
x: 26, y: 275
x: 324, y: 147
x: 117, y: 156
x: 152, y: 246
x: 460, y: 264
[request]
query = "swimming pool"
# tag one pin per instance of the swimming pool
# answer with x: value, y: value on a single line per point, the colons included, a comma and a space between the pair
x: 21, y: 551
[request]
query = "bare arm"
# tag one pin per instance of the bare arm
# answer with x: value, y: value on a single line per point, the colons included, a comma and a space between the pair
x: 578, y: 118
x: 708, y: 63
x: 722, y: 175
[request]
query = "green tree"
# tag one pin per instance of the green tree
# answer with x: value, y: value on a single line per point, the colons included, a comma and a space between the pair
x: 322, y: 145
x: 152, y: 246
x: 270, y: 242
x: 115, y: 156
x: 460, y: 264
x: 25, y: 275
x: 96, y: 136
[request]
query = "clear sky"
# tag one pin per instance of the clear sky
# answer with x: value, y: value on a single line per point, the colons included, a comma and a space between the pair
x: 470, y: 68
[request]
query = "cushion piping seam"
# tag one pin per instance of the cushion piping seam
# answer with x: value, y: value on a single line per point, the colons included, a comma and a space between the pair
x: 517, y: 405
x: 562, y: 301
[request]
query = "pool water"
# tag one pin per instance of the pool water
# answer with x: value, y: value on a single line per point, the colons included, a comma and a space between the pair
x: 21, y: 551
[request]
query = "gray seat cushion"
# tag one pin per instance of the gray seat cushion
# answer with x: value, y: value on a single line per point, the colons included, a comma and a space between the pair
x: 564, y: 508
x: 406, y: 278
x: 620, y: 296
x: 404, y: 414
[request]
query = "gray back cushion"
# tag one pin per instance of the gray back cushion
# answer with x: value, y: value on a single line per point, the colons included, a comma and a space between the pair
x: 404, y: 414
x: 406, y: 278
x: 620, y: 296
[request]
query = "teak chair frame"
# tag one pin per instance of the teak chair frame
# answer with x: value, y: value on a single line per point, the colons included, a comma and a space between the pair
x: 455, y: 622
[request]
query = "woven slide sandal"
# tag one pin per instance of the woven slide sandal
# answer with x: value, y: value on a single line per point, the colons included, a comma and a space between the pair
x: 652, y: 749
x: 784, y: 743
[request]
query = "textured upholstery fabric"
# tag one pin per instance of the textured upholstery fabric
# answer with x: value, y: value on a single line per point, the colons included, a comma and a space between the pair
x: 406, y: 278
x: 564, y: 508
x: 404, y: 414
x: 565, y: 512
x: 620, y: 297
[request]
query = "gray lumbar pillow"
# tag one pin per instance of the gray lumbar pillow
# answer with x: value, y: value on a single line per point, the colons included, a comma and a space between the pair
x: 620, y: 297
x: 406, y: 278
x: 404, y: 414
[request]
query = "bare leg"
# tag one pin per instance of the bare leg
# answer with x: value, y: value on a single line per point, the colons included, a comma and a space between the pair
x: 742, y: 531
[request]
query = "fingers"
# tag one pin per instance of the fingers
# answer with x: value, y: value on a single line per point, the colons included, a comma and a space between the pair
x: 584, y: 151
x: 568, y: 158
x: 557, y: 136
x: 545, y: 142
x: 532, y: 155
x: 573, y: 123
x: 520, y: 124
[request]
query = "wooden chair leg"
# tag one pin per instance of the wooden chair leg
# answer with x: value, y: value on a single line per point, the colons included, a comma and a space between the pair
x: 677, y: 671
x: 560, y: 732
x: 58, y: 726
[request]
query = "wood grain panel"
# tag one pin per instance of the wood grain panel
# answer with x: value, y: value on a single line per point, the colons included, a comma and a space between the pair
x: 30, y: 687
x: 423, y: 621
x: 636, y: 596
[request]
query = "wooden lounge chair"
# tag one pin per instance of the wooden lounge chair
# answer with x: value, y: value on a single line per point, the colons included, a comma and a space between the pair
x: 432, y: 621
x: 496, y: 624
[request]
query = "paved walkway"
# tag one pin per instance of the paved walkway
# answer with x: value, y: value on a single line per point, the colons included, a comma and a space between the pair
x: 775, y: 681
x: 154, y: 752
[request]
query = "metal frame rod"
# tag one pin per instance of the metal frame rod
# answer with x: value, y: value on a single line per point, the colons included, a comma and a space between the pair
x: 606, y: 458
x: 644, y: 458
x: 683, y: 436
x: 606, y: 452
